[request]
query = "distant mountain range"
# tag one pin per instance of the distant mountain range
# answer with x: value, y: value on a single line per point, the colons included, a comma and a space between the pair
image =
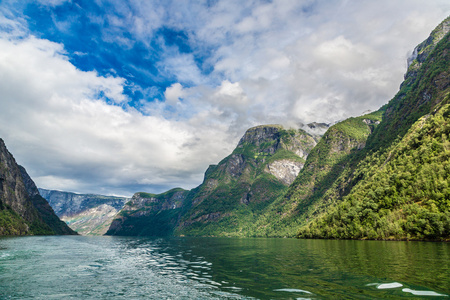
x: 87, y: 214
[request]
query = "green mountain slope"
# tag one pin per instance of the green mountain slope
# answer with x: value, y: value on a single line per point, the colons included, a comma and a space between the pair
x: 404, y: 193
x: 398, y: 188
x: 317, y: 185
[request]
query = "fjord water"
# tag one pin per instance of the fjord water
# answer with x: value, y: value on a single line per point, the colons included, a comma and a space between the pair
x: 80, y: 267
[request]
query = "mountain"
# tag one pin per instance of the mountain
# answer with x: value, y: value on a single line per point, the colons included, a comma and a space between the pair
x: 383, y: 175
x: 265, y: 162
x: 87, y: 214
x: 22, y: 209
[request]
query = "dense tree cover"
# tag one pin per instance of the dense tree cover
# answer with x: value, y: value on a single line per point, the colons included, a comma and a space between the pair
x: 405, y: 193
x: 11, y: 223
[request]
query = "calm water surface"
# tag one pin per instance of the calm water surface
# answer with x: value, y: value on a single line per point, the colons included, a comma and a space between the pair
x: 78, y: 267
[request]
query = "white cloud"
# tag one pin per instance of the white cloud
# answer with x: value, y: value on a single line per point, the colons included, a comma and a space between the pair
x: 174, y: 93
x: 54, y: 122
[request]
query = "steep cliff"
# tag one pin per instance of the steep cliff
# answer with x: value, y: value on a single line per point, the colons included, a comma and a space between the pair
x: 22, y: 210
x: 87, y: 214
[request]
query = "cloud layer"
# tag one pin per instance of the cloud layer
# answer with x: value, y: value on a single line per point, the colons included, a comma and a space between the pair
x: 185, y: 80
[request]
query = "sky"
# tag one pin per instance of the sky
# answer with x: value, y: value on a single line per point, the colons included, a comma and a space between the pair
x: 115, y: 97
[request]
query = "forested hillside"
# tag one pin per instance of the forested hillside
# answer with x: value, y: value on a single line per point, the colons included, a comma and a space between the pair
x: 400, y: 187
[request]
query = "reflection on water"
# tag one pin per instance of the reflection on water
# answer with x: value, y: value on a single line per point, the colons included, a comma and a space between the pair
x: 220, y: 268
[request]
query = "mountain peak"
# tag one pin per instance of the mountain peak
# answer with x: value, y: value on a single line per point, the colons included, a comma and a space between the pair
x: 260, y: 134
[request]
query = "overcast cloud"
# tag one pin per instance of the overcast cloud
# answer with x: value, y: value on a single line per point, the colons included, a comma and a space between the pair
x: 152, y: 92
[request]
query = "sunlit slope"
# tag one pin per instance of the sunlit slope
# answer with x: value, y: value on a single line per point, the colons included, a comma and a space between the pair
x: 399, y: 188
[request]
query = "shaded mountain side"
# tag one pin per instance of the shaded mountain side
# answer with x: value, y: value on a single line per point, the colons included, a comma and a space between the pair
x: 266, y: 160
x: 150, y: 214
x: 22, y: 210
x: 398, y: 188
x: 87, y: 214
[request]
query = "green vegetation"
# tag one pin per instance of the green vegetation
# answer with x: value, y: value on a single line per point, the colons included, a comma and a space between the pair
x: 146, y: 195
x: 233, y: 194
x: 397, y: 187
x: 11, y: 223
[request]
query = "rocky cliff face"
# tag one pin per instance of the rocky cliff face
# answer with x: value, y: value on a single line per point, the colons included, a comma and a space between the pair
x: 13, y: 191
x: 22, y: 210
x: 284, y: 170
x: 87, y: 214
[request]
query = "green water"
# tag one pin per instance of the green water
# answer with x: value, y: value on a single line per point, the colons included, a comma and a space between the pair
x: 68, y: 267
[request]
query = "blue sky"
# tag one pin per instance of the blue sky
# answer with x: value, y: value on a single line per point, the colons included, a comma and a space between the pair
x: 115, y: 97
x: 103, y: 37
